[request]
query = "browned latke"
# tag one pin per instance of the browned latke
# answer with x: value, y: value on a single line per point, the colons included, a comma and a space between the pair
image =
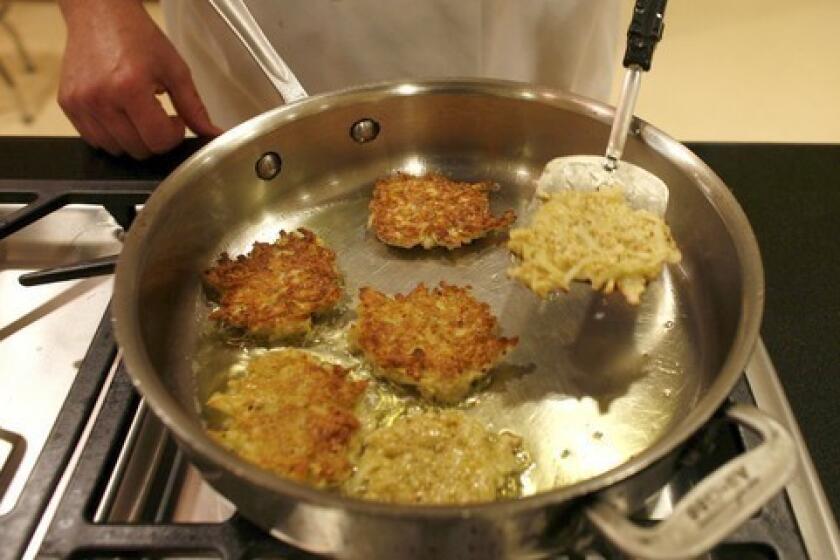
x: 273, y: 291
x: 440, y: 341
x: 293, y: 415
x: 432, y: 210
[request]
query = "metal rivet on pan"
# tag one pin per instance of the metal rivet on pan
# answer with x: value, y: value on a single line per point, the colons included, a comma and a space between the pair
x: 364, y: 130
x: 268, y: 166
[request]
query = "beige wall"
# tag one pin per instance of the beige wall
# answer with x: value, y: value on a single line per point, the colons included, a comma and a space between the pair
x: 726, y: 70
x: 746, y: 70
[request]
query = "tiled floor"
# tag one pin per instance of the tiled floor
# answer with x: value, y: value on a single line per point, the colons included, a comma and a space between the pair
x: 726, y: 70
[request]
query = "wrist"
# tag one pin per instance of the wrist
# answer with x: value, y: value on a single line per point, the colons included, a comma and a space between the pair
x: 88, y: 11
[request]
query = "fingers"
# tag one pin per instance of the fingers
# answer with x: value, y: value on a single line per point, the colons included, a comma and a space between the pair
x: 120, y: 111
x: 129, y: 119
x: 118, y: 124
x: 99, y: 137
x: 90, y: 129
x: 188, y: 104
x: 158, y: 131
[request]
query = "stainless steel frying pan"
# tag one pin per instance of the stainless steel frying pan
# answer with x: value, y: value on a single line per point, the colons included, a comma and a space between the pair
x: 606, y: 395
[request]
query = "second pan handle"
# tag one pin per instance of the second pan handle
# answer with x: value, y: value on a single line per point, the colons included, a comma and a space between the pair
x: 716, y: 506
x: 238, y: 17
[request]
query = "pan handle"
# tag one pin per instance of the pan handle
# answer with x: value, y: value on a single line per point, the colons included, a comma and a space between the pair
x: 238, y: 17
x: 715, y: 507
x: 645, y: 31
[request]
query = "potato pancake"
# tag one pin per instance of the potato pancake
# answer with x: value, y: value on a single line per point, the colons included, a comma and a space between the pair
x: 594, y: 236
x: 440, y: 341
x: 432, y: 210
x: 441, y: 457
x: 273, y: 291
x: 292, y: 414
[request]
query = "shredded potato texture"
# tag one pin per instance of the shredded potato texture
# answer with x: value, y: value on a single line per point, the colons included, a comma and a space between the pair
x: 592, y: 236
x: 443, y: 457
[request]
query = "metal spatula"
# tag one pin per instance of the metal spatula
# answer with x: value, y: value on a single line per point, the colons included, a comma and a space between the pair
x: 588, y: 172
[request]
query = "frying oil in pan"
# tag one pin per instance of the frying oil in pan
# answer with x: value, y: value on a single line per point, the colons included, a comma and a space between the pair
x: 592, y: 382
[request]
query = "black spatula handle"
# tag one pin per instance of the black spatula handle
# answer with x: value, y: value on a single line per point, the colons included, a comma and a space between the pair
x: 644, y: 33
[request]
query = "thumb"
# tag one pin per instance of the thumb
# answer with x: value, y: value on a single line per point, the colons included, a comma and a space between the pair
x: 188, y: 103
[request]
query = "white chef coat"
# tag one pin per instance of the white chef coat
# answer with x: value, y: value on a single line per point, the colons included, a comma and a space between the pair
x: 332, y: 44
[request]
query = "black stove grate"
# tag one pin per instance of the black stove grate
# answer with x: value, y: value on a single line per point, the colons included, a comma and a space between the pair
x: 43, y: 197
x: 18, y: 525
x: 85, y: 176
x: 40, y: 197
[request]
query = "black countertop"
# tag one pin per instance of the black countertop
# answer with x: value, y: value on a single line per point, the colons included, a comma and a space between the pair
x: 790, y: 192
x: 791, y: 195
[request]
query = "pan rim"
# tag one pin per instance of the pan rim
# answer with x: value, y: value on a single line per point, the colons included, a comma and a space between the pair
x: 190, y: 434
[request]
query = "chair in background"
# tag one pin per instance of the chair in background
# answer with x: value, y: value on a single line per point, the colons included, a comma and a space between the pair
x: 28, y: 65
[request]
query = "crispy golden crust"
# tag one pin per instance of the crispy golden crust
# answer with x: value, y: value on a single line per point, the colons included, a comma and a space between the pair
x: 439, y: 341
x: 432, y: 210
x: 291, y: 414
x: 274, y: 290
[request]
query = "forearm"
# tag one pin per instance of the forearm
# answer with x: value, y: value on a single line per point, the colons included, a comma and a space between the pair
x: 70, y: 8
x: 83, y: 14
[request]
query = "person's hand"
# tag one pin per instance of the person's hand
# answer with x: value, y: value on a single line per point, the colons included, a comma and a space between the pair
x: 115, y: 64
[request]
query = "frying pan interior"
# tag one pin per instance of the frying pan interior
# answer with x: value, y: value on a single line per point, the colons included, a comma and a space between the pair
x: 593, y: 382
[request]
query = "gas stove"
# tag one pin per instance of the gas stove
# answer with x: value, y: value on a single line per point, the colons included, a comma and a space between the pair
x: 88, y: 470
